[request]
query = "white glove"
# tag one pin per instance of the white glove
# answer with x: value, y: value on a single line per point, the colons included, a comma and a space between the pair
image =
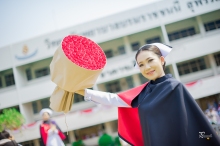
x: 104, y: 98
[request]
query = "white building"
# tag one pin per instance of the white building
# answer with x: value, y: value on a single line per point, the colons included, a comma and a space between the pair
x: 192, y: 27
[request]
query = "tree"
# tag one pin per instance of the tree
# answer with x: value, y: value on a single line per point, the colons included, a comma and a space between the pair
x: 78, y: 143
x: 117, y: 141
x: 11, y: 119
x: 106, y: 140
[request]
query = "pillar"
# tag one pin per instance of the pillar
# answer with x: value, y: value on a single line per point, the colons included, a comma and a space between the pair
x: 201, y: 25
x: 165, y: 35
x: 136, y: 80
x: 127, y: 45
x: 108, y: 128
x: 71, y: 136
x: 213, y: 64
x: 36, y: 142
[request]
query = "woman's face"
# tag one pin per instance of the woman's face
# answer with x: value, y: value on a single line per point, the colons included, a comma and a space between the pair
x: 150, y: 65
x: 45, y: 116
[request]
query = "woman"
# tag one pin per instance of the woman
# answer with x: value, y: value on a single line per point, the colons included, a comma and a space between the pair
x: 6, y: 139
x: 160, y: 112
x: 51, y: 135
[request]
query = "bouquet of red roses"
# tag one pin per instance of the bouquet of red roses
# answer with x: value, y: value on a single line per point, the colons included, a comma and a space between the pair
x: 76, y: 65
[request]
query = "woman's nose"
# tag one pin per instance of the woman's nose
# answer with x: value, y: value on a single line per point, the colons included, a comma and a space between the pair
x: 146, y: 67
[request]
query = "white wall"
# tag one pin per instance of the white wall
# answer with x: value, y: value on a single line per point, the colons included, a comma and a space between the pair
x: 205, y: 87
x: 212, y: 16
x: 8, y: 97
x: 5, y: 58
x: 39, y: 90
x: 195, y: 48
x: 112, y: 44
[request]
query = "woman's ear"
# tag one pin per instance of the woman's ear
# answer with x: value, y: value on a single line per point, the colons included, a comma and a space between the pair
x: 162, y: 59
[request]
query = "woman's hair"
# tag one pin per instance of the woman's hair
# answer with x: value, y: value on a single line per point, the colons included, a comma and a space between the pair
x: 151, y: 48
x: 4, y: 135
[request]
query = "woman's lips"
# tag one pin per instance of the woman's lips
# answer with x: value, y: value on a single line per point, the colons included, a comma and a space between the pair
x: 151, y: 72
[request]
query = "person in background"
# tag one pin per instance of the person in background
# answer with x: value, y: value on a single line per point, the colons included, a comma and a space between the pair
x: 51, y: 135
x: 6, y: 139
x: 218, y: 109
x: 213, y: 115
x: 207, y: 116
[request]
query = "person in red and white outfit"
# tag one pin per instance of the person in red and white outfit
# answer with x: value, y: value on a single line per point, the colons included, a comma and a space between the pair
x: 51, y: 135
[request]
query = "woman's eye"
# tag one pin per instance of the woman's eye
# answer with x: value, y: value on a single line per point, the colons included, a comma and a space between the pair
x: 140, y: 65
x: 150, y: 60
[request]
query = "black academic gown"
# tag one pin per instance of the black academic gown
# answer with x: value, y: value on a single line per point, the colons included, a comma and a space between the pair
x: 169, y: 116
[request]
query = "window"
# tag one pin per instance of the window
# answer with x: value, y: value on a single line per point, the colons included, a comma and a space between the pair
x: 9, y: 79
x: 212, y: 25
x: 217, y: 58
x: 1, y: 82
x: 153, y: 40
x: 109, y: 53
x: 130, y: 82
x: 194, y: 66
x: 142, y: 78
x: 121, y: 50
x: 45, y: 103
x: 34, y: 106
x: 201, y: 64
x: 167, y: 70
x: 28, y: 74
x: 42, y: 72
x: 181, y: 33
x: 40, y: 104
x: 190, y: 31
x: 113, y: 86
x: 78, y: 98
x: 217, y: 23
x: 191, y: 66
x: 184, y: 33
x: 89, y: 132
x: 135, y: 46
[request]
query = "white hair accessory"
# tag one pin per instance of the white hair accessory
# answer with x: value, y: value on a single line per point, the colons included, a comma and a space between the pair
x: 164, y: 49
x: 46, y: 110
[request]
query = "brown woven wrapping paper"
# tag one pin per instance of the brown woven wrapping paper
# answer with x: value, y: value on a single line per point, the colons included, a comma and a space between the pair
x: 69, y: 78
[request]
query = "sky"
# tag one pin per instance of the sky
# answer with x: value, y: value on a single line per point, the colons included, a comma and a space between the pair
x: 24, y: 19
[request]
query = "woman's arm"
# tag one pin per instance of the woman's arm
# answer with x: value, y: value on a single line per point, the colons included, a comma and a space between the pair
x: 104, y: 98
x: 52, y: 129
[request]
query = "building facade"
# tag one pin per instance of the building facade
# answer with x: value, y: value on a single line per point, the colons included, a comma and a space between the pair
x: 191, y: 27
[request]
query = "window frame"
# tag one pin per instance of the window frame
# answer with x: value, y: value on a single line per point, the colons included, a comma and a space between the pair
x: 9, y: 79
x: 176, y: 35
x: 47, y: 70
x: 186, y: 67
x: 217, y: 58
x: 135, y: 46
x: 109, y: 53
x: 121, y: 50
x: 28, y: 73
x: 212, y: 25
x: 153, y: 40
x: 113, y: 86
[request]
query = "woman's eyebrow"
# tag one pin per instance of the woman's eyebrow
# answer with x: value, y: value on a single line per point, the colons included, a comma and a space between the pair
x: 146, y: 59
